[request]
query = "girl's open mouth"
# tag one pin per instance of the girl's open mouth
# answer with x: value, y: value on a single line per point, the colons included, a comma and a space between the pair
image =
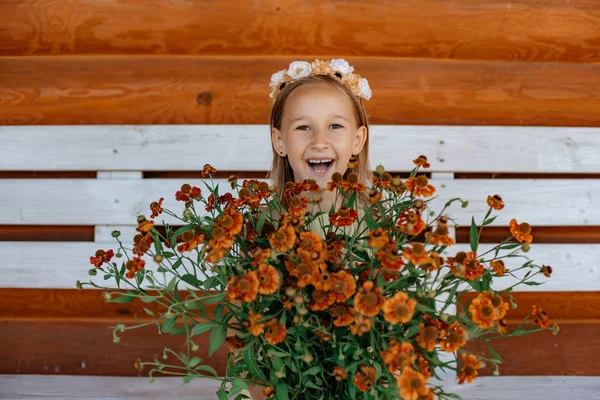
x: 320, y: 166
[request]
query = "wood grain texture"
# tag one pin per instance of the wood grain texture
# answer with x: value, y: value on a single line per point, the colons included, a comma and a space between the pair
x: 524, y: 30
x: 74, y: 90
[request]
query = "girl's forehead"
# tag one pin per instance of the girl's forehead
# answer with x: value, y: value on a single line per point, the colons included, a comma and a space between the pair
x: 317, y: 101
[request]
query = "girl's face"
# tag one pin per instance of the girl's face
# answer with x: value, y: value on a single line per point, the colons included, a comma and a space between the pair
x: 318, y: 133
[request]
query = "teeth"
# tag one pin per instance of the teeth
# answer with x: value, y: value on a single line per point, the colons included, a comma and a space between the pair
x: 320, y: 161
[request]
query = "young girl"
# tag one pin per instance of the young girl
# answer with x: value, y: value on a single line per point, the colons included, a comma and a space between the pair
x: 318, y: 123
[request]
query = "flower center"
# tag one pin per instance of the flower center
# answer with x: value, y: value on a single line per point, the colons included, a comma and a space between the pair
x: 524, y: 228
x: 442, y: 230
x: 469, y: 371
x: 225, y: 221
x: 497, y: 301
x: 431, y: 333
x: 318, y: 295
x: 279, y: 237
x: 341, y: 311
x: 416, y: 383
x: 264, y: 278
x: 302, y: 269
x: 370, y: 299
x: 401, y: 360
x: 412, y: 218
x: 486, y: 311
x: 418, y: 249
x: 344, y: 212
x: 422, y: 181
x: 401, y: 310
x: 243, y: 285
x: 454, y: 338
x: 306, y: 244
x: 339, y: 287
x: 472, y: 264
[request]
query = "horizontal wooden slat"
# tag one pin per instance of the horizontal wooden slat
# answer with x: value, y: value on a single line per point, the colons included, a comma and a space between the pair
x: 74, y: 90
x: 60, y: 265
x: 35, y: 387
x: 542, y: 234
x: 87, y: 348
x: 52, y: 233
x: 491, y: 29
x: 491, y: 149
x: 119, y: 202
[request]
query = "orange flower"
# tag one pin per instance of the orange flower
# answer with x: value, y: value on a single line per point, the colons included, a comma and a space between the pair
x: 361, y: 325
x: 335, y: 250
x: 133, y: 266
x: 411, y: 223
x: 260, y: 256
x: 411, y: 384
x: 469, y: 369
x: 423, y: 366
x: 399, y: 309
x: 342, y: 287
x: 251, y: 323
x: 417, y: 254
x: 215, y: 255
x: 245, y: 288
x: 298, y: 205
x: 340, y: 374
x: 374, y: 197
x: 441, y: 234
x: 367, y: 301
x: 498, y: 267
x: 420, y: 186
x: 187, y: 193
x: 390, y: 259
x: 283, y: 239
x: 421, y: 161
x: 473, y: 268
x: 540, y: 317
x: 378, y: 238
x: 144, y: 225
x: 101, y: 257
x: 353, y: 163
x: 235, y: 342
x: 275, y: 332
x: 320, y: 301
x: 435, y: 262
x: 344, y: 217
x: 365, y: 379
x: 311, y: 241
x: 482, y: 312
x: 344, y: 315
x: 453, y: 338
x: 191, y: 244
x: 546, y: 270
x: 207, y: 171
x: 352, y: 184
x: 156, y: 208
x: 521, y: 232
x: 428, y: 336
x: 398, y: 355
x: 141, y: 243
x: 268, y: 279
x: 495, y: 202
x: 220, y: 239
x: 231, y: 223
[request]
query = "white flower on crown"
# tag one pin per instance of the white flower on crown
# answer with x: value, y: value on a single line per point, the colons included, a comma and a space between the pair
x: 341, y: 65
x: 299, y: 69
x: 277, y: 78
x: 364, y: 90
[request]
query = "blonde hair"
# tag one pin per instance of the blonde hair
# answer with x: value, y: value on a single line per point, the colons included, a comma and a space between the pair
x: 281, y: 170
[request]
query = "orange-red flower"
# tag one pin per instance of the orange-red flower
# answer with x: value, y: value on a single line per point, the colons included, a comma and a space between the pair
x: 411, y: 384
x: 398, y: 355
x: 215, y: 255
x: 251, y: 323
x: 187, y: 193
x: 420, y: 186
x: 473, y: 268
x: 234, y: 342
x: 482, y: 312
x: 207, y: 171
x: 268, y: 279
x: 340, y: 374
x: 453, y: 338
x: 540, y: 317
x: 352, y: 184
x: 275, y: 332
x: 343, y: 286
x: 134, y: 265
x: 361, y: 325
x: 283, y: 239
x: 298, y: 205
x: 245, y: 288
x: 231, y: 223
x: 428, y: 336
x: 546, y: 270
x: 399, y: 309
x: 142, y: 243
x: 441, y: 235
x: 469, y: 370
x: 144, y: 225
x: 156, y: 208
x: 368, y: 301
x: 335, y: 250
x: 421, y: 161
x: 260, y: 256
x: 344, y: 217
x: 416, y: 254
x: 191, y: 244
x: 374, y: 197
x: 390, y: 258
x: 495, y: 202
x: 344, y: 315
x: 423, y: 366
x: 521, y: 232
x: 411, y: 223
x: 364, y: 379
x: 378, y: 238
x: 101, y: 257
x: 498, y: 267
x: 320, y: 301
x: 220, y: 239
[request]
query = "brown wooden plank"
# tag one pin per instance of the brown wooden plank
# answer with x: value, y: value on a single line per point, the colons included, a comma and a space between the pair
x: 234, y: 90
x: 487, y: 29
x: 541, y: 234
x: 46, y: 233
x: 574, y: 351
x: 79, y: 347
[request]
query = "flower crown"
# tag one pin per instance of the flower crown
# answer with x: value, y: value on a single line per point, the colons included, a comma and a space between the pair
x: 338, y: 68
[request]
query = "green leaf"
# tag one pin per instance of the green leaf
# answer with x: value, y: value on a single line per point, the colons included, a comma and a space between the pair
x: 201, y: 328
x: 474, y: 235
x: 533, y: 283
x: 371, y: 224
x: 157, y: 243
x: 217, y: 337
x: 281, y: 391
x: 486, y: 279
x: 222, y: 395
x: 494, y: 353
x: 194, y: 362
x: 168, y: 254
x: 213, y: 298
x: 169, y: 324
x: 206, y: 368
x: 260, y: 223
x: 312, y: 370
x: 412, y: 331
x: 489, y: 220
x: 126, y: 298
x: 180, y: 232
x: 187, y: 379
x: 192, y: 280
x: 253, y: 366
x: 149, y: 312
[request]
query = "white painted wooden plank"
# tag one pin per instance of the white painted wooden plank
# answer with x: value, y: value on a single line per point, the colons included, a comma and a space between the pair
x: 64, y: 387
x: 118, y: 202
x: 120, y: 175
x: 247, y: 147
x: 61, y: 264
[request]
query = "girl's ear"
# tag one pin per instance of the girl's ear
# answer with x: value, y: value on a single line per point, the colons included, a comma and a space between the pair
x: 277, y: 141
x: 360, y: 139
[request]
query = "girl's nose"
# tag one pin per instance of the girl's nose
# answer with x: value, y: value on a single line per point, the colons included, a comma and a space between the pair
x: 320, y: 140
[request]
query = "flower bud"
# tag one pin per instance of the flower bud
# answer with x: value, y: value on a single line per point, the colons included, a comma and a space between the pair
x: 116, y: 339
x: 297, y: 319
x: 168, y: 314
x: 306, y: 324
x: 341, y: 357
x: 307, y: 358
x: 239, y: 268
x: 78, y: 285
x: 525, y: 247
x: 555, y: 329
x: 299, y: 299
x: 380, y: 169
x: 152, y: 380
x: 280, y: 374
x: 194, y: 347
x: 158, y: 258
x: 303, y: 311
x: 187, y: 214
x: 115, y: 234
x: 444, y: 317
x: 432, y: 294
x: 92, y: 272
x: 465, y: 204
x: 119, y: 255
x: 369, y: 349
x: 290, y: 292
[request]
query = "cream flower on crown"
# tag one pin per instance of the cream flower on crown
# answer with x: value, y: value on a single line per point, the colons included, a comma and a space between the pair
x: 364, y: 90
x: 299, y: 69
x: 341, y: 65
x: 277, y: 78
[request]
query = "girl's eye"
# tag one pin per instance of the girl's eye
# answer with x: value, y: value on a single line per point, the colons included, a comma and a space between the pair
x: 305, y: 126
x: 337, y: 125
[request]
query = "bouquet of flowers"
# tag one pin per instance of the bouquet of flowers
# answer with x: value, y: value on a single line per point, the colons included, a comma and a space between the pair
x: 353, y: 302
